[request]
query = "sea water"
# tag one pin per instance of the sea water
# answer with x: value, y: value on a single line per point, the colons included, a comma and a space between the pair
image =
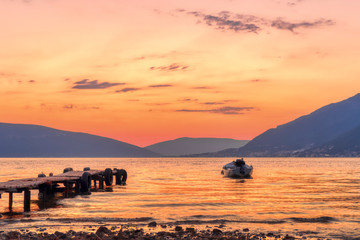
x: 313, y: 197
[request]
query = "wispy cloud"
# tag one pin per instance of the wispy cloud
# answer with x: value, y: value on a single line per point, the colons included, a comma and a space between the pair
x: 125, y: 90
x: 188, y: 100
x: 86, y: 84
x: 202, y: 88
x: 23, y: 81
x: 171, y: 68
x: 290, y: 3
x: 80, y: 107
x: 228, y: 21
x: 284, y: 25
x: 161, y: 85
x: 153, y: 56
x: 213, y: 103
x: 6, y: 75
x: 158, y: 104
x: 67, y: 107
x: 223, y: 110
x: 294, y: 2
x: 258, y: 80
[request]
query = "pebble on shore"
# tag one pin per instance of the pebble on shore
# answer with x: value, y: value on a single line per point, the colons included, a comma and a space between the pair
x: 106, y: 234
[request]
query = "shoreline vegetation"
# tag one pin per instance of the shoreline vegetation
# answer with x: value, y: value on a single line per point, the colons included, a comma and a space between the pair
x: 133, y: 232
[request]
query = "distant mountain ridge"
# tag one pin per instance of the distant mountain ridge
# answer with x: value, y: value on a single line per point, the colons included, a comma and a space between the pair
x: 333, y: 130
x: 25, y: 140
x: 187, y: 146
x: 345, y: 145
x: 318, y: 133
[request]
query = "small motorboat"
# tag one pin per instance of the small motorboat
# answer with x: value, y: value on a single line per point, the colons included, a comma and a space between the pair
x: 237, y: 169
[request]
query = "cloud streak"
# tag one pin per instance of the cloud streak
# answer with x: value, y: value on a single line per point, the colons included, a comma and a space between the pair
x: 284, y: 25
x: 228, y: 21
x: 125, y: 90
x: 67, y: 107
x: 188, y: 100
x: 81, y: 107
x: 202, y: 88
x: 238, y: 23
x: 258, y: 80
x: 171, y: 68
x: 223, y: 110
x: 294, y: 2
x: 86, y: 84
x: 161, y: 85
x: 213, y: 103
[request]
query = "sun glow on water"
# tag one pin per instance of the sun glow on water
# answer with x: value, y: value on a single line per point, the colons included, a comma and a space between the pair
x: 287, y: 194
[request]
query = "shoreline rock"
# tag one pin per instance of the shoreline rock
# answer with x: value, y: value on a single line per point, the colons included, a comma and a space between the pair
x: 134, y: 233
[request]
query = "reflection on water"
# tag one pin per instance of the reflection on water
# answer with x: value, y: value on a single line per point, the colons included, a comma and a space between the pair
x: 306, y: 195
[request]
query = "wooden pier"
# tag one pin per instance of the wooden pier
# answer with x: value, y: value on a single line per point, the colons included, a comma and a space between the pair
x: 68, y: 181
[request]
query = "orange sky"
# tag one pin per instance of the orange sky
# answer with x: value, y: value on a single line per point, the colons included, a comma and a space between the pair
x: 149, y: 71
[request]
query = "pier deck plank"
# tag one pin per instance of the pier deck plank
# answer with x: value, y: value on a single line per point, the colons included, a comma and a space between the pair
x: 49, y: 184
x: 20, y: 184
x: 34, y: 183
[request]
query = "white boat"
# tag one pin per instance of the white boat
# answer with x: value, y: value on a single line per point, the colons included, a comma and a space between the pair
x: 237, y: 169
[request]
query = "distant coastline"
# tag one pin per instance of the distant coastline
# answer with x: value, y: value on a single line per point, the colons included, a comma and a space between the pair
x: 331, y: 131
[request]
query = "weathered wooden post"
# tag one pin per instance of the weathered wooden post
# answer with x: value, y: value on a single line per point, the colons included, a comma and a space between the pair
x: 10, y: 201
x: 67, y: 189
x: 27, y: 198
x: 118, y: 180
x: 77, y: 186
x: 47, y: 186
x: 101, y: 183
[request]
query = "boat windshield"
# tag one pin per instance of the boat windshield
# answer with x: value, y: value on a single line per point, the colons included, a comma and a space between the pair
x: 240, y: 162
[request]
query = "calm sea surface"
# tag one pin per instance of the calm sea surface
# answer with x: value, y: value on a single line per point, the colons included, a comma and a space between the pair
x: 312, y: 197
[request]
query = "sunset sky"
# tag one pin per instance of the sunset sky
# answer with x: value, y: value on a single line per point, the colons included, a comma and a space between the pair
x: 153, y: 70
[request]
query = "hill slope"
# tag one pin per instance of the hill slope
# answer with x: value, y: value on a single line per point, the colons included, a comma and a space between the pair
x: 308, y: 131
x: 186, y: 146
x: 24, y: 140
x: 346, y: 145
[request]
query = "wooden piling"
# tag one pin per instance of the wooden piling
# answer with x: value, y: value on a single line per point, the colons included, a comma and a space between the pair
x: 47, y: 186
x: 27, y: 199
x: 77, y: 187
x: 66, y: 192
x: 10, y: 201
x: 117, y: 180
x: 101, y: 183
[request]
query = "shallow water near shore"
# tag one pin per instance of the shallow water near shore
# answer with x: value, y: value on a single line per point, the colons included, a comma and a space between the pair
x: 314, y: 197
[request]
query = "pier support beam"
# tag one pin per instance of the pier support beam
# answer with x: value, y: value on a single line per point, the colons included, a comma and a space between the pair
x: 67, y: 189
x: 101, y: 183
x: 10, y: 201
x: 77, y: 187
x: 27, y: 199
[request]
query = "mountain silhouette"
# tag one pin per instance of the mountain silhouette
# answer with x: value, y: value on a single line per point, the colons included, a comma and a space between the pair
x: 309, y: 131
x: 186, y: 145
x: 345, y: 145
x: 25, y: 140
x: 335, y: 124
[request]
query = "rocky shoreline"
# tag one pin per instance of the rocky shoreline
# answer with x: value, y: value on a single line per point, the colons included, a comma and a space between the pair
x: 176, y: 232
